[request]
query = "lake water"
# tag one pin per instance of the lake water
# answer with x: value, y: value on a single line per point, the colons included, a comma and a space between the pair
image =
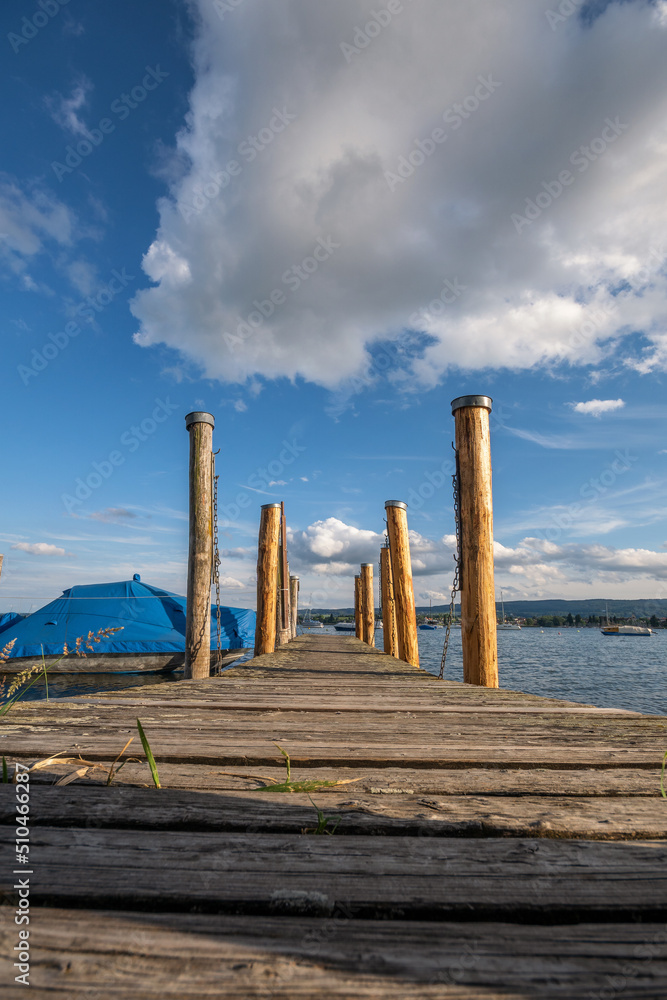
x: 574, y: 664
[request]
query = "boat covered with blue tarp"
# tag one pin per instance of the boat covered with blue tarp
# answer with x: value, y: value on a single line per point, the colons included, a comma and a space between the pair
x: 151, y: 635
x: 10, y: 618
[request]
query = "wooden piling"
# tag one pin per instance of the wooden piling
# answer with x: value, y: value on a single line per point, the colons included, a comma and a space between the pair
x: 200, y: 551
x: 478, y: 602
x: 267, y: 578
x: 357, y: 607
x: 294, y: 604
x: 388, y: 608
x: 367, y: 605
x: 284, y: 574
x: 281, y: 637
x: 283, y: 626
x: 401, y: 566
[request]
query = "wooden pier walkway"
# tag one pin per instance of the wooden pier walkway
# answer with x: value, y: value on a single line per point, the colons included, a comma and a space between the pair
x: 490, y: 845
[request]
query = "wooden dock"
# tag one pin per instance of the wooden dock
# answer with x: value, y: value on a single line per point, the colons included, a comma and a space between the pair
x: 490, y: 845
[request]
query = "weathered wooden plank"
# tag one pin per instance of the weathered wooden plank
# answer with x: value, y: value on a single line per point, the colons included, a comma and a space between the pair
x: 81, y: 954
x: 333, y: 705
x: 444, y: 716
x: 361, y: 813
x: 210, y: 746
x: 418, y: 877
x: 417, y: 728
x: 534, y: 782
x: 421, y: 688
x: 419, y: 685
x: 419, y: 723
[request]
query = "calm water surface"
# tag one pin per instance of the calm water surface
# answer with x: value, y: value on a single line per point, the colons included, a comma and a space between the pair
x: 574, y: 664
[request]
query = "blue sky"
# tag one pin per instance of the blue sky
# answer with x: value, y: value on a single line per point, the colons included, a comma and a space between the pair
x: 322, y: 223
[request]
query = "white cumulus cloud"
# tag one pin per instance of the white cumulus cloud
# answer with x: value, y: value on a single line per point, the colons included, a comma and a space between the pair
x: 596, y: 407
x: 314, y: 213
x: 39, y: 548
x: 331, y: 550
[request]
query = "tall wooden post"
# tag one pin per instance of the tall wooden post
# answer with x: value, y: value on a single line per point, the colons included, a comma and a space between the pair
x: 401, y: 566
x: 388, y: 608
x: 283, y: 635
x: 200, y: 550
x: 281, y: 638
x: 284, y: 573
x: 478, y: 600
x: 267, y: 578
x: 357, y: 607
x: 367, y: 605
x: 294, y: 603
x: 283, y: 626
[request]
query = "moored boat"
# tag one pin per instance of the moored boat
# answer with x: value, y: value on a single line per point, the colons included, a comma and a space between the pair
x: 9, y: 619
x: 608, y: 629
x: 505, y: 626
x: 627, y: 630
x: 309, y: 622
x: 149, y: 634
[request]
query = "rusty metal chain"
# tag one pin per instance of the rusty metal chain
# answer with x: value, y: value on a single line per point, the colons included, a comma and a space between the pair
x: 216, y: 566
x: 456, y: 583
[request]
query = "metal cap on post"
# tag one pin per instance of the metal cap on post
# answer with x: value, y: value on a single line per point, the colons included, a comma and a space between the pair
x: 478, y: 601
x: 199, y: 417
x: 200, y: 426
x: 404, y: 596
x: 484, y: 401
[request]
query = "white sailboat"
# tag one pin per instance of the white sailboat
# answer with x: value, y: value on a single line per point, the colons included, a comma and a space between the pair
x: 309, y: 622
x: 504, y: 626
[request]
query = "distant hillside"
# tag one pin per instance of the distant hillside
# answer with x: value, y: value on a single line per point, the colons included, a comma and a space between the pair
x: 640, y: 607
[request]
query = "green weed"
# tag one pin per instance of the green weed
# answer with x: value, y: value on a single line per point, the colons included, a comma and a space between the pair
x: 301, y: 786
x: 322, y: 822
x: 149, y: 755
x: 288, y: 764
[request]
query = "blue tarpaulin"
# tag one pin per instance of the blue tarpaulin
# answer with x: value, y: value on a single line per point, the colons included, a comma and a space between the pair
x: 152, y: 621
x: 8, y: 619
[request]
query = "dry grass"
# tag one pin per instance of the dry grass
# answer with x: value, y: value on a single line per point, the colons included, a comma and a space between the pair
x: 23, y: 681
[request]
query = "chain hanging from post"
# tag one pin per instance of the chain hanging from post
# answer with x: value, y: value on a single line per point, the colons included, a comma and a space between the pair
x: 392, y: 603
x: 380, y: 608
x: 216, y: 565
x: 456, y: 583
